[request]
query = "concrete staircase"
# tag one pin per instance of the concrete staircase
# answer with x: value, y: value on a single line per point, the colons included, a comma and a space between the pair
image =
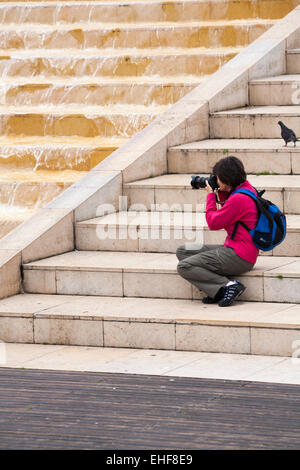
x: 78, y: 79
x: 120, y: 287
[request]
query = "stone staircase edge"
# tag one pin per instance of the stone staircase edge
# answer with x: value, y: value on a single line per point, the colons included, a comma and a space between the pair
x: 193, y: 334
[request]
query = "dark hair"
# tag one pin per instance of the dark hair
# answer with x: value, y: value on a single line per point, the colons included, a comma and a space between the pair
x: 230, y: 170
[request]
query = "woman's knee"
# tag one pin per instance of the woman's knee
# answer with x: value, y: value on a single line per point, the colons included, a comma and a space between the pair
x: 181, y: 252
x: 182, y: 267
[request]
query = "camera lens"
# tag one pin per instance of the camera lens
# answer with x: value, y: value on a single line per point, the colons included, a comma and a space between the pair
x: 200, y: 181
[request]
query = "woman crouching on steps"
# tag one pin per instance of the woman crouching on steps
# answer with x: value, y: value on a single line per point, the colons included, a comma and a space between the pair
x: 208, y: 267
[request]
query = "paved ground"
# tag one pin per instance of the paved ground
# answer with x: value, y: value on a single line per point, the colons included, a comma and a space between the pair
x: 71, y: 397
x: 42, y: 409
x: 152, y: 362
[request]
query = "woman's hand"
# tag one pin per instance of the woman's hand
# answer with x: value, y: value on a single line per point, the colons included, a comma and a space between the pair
x: 208, y: 188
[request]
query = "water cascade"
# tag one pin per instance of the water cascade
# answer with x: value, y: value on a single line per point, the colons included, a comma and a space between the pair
x: 79, y: 78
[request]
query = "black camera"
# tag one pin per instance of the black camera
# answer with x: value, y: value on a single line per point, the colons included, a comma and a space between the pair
x: 200, y: 181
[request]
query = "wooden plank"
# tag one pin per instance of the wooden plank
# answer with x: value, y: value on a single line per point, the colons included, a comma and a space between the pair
x: 81, y: 410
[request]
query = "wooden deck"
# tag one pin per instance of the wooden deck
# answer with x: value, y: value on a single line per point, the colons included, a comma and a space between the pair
x: 82, y: 410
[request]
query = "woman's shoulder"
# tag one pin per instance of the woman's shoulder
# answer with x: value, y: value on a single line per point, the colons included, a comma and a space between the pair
x: 242, y: 200
x: 245, y: 186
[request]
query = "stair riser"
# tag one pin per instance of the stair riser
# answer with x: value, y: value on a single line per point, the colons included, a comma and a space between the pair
x: 170, y: 199
x: 143, y: 11
x: 150, y: 285
x: 181, y: 335
x: 30, y: 195
x: 53, y: 158
x: 152, y: 94
x: 126, y: 126
x: 196, y: 64
x: 293, y: 63
x: 165, y: 240
x: 157, y: 334
x: 142, y: 239
x: 188, y: 36
x: 275, y: 94
x: 76, y: 124
x: 202, y: 161
x: 251, y: 127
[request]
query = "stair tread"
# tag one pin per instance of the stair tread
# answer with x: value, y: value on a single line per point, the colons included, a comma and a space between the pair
x: 278, y: 79
x: 81, y: 2
x: 164, y: 219
x: 143, y: 218
x: 60, y: 141
x: 64, y: 109
x: 241, y: 144
x: 110, y: 52
x: 104, y: 80
x: 179, y: 181
x: 44, y: 27
x: 41, y: 176
x: 93, y: 2
x: 242, y: 313
x: 270, y: 266
x: 290, y: 110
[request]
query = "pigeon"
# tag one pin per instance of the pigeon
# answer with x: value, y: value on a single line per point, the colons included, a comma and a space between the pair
x: 287, y: 134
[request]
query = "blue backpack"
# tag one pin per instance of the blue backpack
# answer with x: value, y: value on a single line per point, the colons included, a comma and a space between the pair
x: 270, y: 229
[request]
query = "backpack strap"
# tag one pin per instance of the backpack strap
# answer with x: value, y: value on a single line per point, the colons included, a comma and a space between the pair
x: 246, y: 191
x: 236, y: 227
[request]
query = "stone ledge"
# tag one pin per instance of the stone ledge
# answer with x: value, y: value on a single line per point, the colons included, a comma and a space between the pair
x: 138, y: 231
x: 146, y: 275
x: 257, y: 155
x: 186, y: 10
x: 126, y: 323
x: 174, y: 191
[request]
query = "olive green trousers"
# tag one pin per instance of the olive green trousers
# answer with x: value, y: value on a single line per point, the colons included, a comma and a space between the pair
x: 207, y: 268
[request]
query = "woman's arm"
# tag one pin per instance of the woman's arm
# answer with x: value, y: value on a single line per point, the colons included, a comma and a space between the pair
x: 220, y: 218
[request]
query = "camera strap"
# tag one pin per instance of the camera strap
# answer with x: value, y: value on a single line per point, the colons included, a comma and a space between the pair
x: 217, y: 199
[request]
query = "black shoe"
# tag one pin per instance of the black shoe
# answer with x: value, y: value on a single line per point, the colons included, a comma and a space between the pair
x: 215, y: 299
x: 231, y: 293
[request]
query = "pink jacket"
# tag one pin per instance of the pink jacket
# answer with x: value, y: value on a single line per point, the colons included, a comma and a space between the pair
x: 235, y: 207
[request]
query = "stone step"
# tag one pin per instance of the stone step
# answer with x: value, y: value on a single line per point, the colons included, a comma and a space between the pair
x: 55, y: 153
x: 114, y: 62
x: 275, y: 91
x: 254, y: 122
x: 34, y: 189
x: 163, y: 232
x: 140, y: 35
x: 269, y: 329
x: 257, y: 155
x: 140, y: 231
x: 293, y: 61
x: 131, y: 274
x: 171, y: 192
x: 53, y: 11
x: 86, y: 121
x: 146, y: 91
